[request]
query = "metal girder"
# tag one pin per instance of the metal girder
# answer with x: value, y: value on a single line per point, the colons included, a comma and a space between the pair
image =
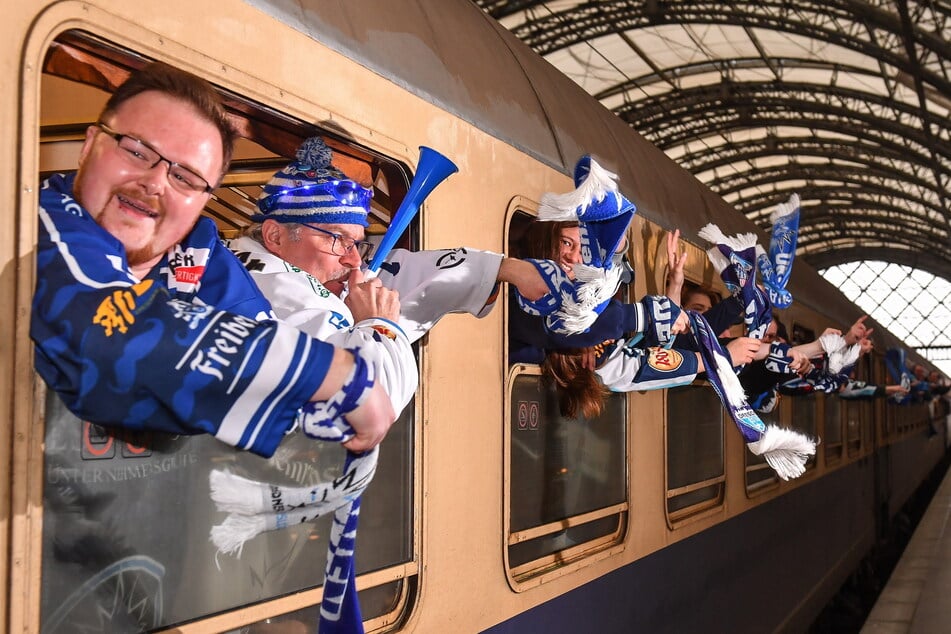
x: 836, y: 21
x: 925, y: 260
x: 871, y: 161
x: 850, y: 151
x: 675, y: 117
x: 777, y: 66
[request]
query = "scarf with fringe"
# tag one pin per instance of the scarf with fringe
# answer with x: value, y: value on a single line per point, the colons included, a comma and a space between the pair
x: 255, y: 507
x: 776, y: 267
x: 829, y: 375
x: 603, y: 214
x: 734, y: 258
x: 785, y: 450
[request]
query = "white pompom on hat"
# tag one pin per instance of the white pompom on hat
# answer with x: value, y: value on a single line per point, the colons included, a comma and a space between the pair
x: 311, y: 190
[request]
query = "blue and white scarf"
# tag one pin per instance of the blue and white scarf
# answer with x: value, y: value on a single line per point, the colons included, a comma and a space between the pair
x: 734, y: 259
x: 829, y: 374
x: 776, y: 267
x: 785, y: 450
x: 896, y: 362
x: 254, y: 507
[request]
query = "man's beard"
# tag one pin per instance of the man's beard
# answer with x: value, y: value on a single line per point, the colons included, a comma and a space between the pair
x: 142, y: 255
x: 134, y: 256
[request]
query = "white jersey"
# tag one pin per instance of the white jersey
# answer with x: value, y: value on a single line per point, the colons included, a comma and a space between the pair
x: 430, y: 283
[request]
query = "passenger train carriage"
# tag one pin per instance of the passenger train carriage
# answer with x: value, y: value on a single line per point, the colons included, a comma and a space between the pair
x: 489, y: 511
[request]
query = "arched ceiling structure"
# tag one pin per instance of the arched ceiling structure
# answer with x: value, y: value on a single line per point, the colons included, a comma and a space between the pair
x: 844, y: 102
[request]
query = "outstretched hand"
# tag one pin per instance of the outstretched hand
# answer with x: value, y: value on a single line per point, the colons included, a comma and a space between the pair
x: 681, y: 325
x: 525, y: 277
x: 800, y: 363
x: 858, y: 331
x: 676, y: 259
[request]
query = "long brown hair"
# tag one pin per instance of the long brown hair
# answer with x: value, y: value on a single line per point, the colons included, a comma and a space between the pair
x: 580, y: 392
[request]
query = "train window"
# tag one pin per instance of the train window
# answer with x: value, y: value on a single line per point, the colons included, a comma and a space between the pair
x: 832, y: 423
x: 802, y: 334
x: 695, y: 454
x: 855, y: 413
x: 759, y: 475
x: 566, y: 478
x: 802, y: 418
x: 890, y: 420
x: 127, y: 516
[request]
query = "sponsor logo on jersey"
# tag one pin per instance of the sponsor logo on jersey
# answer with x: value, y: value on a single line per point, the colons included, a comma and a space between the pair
x: 187, y: 266
x: 383, y: 330
x: 664, y: 360
x: 117, y: 312
x: 451, y: 258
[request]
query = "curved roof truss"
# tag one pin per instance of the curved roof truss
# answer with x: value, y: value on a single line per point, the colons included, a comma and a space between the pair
x: 844, y: 103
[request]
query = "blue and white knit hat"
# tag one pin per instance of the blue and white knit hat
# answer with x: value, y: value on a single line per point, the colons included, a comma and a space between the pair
x: 311, y: 190
x: 602, y: 210
x: 604, y: 215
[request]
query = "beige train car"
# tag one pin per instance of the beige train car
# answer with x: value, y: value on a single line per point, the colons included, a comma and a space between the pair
x: 490, y: 512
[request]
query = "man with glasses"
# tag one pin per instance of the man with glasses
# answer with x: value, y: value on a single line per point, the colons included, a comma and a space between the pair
x: 305, y: 251
x: 143, y: 319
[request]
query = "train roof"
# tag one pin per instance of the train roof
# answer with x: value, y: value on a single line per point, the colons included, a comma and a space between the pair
x: 464, y: 61
x: 461, y: 59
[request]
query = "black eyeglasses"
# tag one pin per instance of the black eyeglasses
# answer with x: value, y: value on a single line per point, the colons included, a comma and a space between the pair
x: 342, y: 245
x: 141, y: 155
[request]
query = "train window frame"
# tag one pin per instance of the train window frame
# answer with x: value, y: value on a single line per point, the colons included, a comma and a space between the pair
x: 716, y: 484
x: 390, y: 182
x: 610, y: 522
x: 857, y: 414
x: 790, y: 419
x: 834, y: 451
x: 754, y: 466
x: 696, y: 276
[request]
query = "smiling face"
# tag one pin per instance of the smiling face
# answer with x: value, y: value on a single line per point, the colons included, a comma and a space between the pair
x: 569, y: 249
x: 139, y: 206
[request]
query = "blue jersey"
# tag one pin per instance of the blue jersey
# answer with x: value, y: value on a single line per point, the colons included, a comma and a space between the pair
x: 180, y: 351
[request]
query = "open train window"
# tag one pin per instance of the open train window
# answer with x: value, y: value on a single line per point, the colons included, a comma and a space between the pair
x: 802, y: 334
x: 695, y: 451
x: 566, y: 478
x: 126, y: 517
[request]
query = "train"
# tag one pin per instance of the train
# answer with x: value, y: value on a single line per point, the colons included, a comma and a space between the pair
x: 489, y: 511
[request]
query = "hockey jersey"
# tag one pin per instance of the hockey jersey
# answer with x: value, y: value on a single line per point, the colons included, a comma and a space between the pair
x: 180, y: 351
x: 625, y: 361
x: 430, y: 285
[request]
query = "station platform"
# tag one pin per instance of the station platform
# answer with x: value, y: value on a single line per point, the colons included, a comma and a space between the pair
x: 916, y: 597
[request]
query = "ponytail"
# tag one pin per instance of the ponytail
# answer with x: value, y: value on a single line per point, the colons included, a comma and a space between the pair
x: 580, y: 392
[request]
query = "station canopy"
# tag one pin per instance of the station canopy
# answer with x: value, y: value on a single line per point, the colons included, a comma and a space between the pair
x: 845, y: 103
